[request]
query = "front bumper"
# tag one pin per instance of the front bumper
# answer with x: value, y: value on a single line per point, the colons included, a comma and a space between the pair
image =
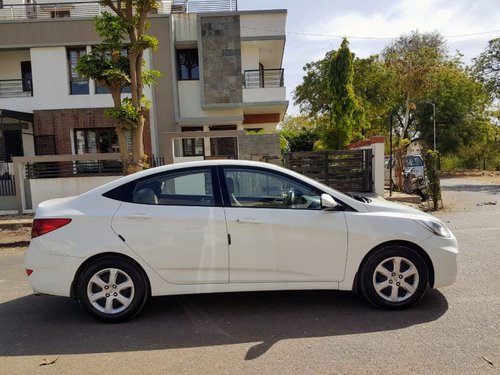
x: 443, y: 253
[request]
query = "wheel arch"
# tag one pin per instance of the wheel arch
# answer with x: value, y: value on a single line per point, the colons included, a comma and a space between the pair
x: 411, y: 245
x: 113, y: 256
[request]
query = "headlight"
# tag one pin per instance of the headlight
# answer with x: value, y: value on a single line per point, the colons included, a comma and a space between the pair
x: 436, y: 227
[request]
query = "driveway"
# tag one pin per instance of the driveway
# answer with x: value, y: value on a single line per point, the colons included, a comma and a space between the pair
x: 454, y: 330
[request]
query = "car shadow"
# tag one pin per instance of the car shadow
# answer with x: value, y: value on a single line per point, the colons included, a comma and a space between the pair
x: 48, y: 325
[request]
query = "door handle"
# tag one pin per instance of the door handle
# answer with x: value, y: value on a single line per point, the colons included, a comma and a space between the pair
x: 248, y: 221
x: 138, y: 217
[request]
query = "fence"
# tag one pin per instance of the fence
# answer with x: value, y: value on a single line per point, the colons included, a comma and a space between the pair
x: 261, y: 78
x: 7, y: 182
x: 349, y: 171
x: 89, y: 9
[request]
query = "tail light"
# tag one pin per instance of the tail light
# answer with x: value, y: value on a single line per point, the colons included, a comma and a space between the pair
x: 43, y: 226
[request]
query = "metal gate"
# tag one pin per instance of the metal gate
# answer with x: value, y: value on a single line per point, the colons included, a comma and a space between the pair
x: 349, y: 171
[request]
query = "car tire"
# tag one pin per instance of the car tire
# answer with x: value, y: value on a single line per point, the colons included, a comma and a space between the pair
x: 394, y: 277
x: 112, y: 289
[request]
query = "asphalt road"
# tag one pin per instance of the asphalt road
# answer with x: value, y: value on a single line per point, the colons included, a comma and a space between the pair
x: 454, y: 330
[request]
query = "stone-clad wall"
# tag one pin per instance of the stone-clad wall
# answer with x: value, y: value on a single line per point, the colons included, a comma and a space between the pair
x: 221, y: 50
x: 260, y: 147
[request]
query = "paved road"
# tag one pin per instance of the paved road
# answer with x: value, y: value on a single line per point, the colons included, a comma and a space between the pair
x: 449, y: 332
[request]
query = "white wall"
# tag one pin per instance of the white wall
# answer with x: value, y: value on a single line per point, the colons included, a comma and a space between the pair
x: 378, y: 151
x: 190, y: 102
x: 258, y: 25
x: 49, y: 188
x: 51, y: 84
x: 270, y: 94
x: 10, y: 63
x: 185, y: 27
x: 249, y: 56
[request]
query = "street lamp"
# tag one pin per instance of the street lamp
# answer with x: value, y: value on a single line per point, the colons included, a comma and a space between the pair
x: 434, y: 121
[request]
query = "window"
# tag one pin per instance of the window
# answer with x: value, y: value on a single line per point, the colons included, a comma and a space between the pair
x: 59, y: 14
x: 193, y: 147
x: 184, y: 188
x: 257, y: 188
x: 187, y: 64
x: 77, y: 84
x: 100, y: 140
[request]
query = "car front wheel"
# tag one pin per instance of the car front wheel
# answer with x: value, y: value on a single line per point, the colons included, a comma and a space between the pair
x: 112, y: 289
x: 394, y: 277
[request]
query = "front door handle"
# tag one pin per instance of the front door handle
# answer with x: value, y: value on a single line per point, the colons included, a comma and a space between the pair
x: 138, y: 217
x: 248, y: 221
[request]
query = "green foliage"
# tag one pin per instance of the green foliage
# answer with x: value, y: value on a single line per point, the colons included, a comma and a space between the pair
x: 299, y: 132
x: 487, y: 67
x: 112, y: 29
x: 127, y: 114
x: 313, y: 95
x: 461, y: 117
x: 345, y: 110
x: 431, y: 171
x: 413, y: 58
x: 149, y: 77
x: 98, y: 65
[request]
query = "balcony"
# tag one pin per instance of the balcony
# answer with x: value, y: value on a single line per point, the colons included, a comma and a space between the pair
x: 16, y: 88
x: 90, y: 9
x: 263, y: 78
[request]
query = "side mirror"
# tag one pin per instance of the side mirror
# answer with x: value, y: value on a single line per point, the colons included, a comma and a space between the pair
x: 328, y: 203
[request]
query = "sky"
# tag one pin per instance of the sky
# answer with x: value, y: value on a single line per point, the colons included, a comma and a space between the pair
x: 315, y: 27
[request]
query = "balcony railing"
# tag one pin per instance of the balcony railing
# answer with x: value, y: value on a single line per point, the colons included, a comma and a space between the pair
x: 16, y: 88
x: 89, y: 9
x: 263, y: 78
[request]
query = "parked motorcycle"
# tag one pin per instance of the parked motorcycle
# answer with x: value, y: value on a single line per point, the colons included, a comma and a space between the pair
x: 413, y: 184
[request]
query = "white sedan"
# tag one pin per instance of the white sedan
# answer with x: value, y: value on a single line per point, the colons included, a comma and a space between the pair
x: 231, y: 226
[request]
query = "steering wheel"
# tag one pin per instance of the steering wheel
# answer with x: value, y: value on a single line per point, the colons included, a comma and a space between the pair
x: 290, y: 198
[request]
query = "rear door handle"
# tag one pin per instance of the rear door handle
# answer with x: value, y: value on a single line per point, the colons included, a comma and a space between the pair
x: 138, y: 217
x: 248, y: 221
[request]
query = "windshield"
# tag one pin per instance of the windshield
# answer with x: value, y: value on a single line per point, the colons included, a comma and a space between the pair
x: 413, y: 161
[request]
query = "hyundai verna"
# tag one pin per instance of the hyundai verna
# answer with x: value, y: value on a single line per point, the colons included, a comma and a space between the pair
x: 231, y: 226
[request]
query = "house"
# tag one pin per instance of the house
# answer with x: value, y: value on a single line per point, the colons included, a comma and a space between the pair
x: 221, y: 70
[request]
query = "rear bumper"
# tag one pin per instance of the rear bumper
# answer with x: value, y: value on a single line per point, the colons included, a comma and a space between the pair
x: 52, y: 274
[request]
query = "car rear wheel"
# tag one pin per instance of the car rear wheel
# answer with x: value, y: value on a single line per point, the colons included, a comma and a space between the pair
x: 112, y: 289
x: 394, y: 277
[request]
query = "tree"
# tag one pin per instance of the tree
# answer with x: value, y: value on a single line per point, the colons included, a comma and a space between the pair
x: 300, y: 133
x: 461, y: 110
x: 414, y: 58
x: 327, y: 95
x: 345, y: 110
x: 109, y: 66
x: 487, y: 67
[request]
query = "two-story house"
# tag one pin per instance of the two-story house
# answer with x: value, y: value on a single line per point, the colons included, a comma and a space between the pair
x: 221, y: 71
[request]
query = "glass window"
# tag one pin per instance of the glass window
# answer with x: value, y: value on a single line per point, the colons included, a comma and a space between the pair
x: 184, y: 188
x: 193, y: 147
x: 187, y: 64
x: 77, y: 85
x: 99, y: 140
x: 256, y: 188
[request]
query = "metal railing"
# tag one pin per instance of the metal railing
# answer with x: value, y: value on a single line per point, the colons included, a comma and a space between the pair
x: 89, y: 9
x: 80, y: 168
x: 263, y: 78
x: 7, y: 182
x: 16, y: 88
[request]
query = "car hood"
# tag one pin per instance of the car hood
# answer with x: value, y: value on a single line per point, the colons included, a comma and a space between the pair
x: 379, y: 204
